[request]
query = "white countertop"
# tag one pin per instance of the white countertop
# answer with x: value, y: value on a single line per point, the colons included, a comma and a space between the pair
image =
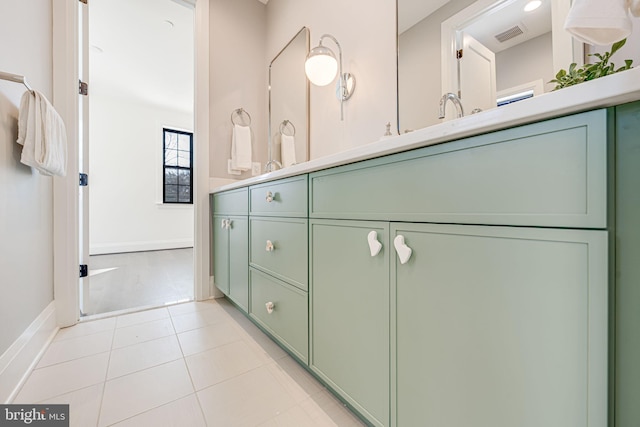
x: 607, y: 91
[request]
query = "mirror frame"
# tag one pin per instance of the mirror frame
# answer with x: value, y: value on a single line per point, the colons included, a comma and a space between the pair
x: 271, y: 160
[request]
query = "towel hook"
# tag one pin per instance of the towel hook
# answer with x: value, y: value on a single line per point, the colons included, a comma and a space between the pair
x: 242, y: 118
x: 284, y: 126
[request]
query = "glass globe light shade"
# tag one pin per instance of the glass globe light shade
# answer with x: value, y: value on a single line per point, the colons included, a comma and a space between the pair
x: 321, y: 66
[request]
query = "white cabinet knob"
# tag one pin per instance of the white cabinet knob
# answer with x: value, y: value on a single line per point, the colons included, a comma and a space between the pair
x: 269, y: 197
x: 404, y: 251
x: 270, y: 307
x: 270, y: 246
x: 226, y: 224
x: 374, y: 245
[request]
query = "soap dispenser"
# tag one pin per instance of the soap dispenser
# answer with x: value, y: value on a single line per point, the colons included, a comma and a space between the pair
x: 387, y: 133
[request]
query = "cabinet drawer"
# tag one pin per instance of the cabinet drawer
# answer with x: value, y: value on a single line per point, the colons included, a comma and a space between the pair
x: 551, y: 173
x: 279, y: 247
x: 287, y: 197
x: 232, y: 202
x: 288, y: 321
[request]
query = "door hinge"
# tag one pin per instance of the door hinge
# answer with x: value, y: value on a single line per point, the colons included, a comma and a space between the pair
x: 459, y: 54
x: 84, y: 270
x: 83, y: 88
x: 84, y: 180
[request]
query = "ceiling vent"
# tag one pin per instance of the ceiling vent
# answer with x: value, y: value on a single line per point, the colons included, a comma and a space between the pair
x: 509, y: 34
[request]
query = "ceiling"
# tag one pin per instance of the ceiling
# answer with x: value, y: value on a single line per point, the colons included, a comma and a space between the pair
x: 143, y: 48
x: 534, y: 24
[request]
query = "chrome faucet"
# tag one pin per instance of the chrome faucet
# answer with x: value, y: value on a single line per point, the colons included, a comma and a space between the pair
x: 456, y: 101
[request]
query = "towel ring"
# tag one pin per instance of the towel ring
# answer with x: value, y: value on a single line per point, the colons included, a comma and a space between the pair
x: 240, y: 117
x: 286, y: 124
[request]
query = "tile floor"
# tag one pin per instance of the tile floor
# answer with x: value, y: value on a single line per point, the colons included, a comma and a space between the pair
x: 137, y: 279
x: 192, y: 364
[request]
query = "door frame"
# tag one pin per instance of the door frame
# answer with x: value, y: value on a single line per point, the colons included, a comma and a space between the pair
x: 66, y: 279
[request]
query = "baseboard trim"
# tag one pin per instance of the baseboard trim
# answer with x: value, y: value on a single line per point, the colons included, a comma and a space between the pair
x: 159, y: 245
x: 22, y: 356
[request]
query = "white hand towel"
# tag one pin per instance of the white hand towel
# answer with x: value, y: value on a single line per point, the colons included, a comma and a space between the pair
x: 241, y: 148
x: 287, y: 150
x: 634, y: 7
x: 42, y: 133
x: 599, y: 22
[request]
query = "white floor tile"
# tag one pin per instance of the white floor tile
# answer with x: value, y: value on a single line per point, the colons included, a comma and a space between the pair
x: 294, y: 417
x: 199, y: 319
x: 183, y: 412
x: 142, y: 317
x: 221, y: 363
x: 325, y: 410
x: 247, y: 400
x: 86, y: 328
x: 191, y: 307
x: 142, y: 332
x: 84, y: 405
x: 212, y: 336
x: 139, y: 392
x: 74, y: 348
x: 141, y: 356
x: 45, y: 383
x: 294, y: 378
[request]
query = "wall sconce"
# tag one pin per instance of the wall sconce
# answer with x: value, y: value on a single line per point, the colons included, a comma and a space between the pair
x: 321, y: 67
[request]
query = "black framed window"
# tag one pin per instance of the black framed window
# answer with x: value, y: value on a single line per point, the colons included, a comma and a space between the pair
x: 177, y: 162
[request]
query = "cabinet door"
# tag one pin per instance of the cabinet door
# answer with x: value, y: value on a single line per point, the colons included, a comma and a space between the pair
x: 500, y: 327
x: 221, y: 253
x: 239, y: 261
x: 349, y: 295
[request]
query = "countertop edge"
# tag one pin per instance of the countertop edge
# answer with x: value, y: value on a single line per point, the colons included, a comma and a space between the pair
x: 605, y: 92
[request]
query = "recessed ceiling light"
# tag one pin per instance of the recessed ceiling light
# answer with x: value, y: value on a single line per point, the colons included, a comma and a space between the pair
x: 532, y: 5
x: 169, y: 23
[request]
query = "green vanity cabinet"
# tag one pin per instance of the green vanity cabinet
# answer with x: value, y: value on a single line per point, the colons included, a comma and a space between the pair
x: 349, y: 313
x: 499, y: 327
x: 231, y: 245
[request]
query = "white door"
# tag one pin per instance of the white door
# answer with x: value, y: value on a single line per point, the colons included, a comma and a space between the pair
x: 83, y: 155
x: 477, y: 73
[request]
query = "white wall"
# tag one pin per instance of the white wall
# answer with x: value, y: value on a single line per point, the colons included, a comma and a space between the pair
x: 526, y: 62
x: 125, y: 178
x: 631, y: 49
x: 26, y: 206
x: 238, y: 78
x: 367, y: 35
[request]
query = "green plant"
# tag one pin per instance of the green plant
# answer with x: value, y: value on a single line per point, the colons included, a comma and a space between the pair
x: 588, y: 72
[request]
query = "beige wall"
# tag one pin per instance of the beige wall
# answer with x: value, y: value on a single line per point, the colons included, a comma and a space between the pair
x: 526, y: 62
x: 238, y: 78
x: 26, y: 206
x: 367, y: 36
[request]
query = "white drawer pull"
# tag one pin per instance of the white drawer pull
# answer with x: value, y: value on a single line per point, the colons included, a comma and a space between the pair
x: 270, y: 307
x: 226, y: 223
x: 270, y: 246
x: 269, y: 197
x: 374, y: 245
x: 404, y: 251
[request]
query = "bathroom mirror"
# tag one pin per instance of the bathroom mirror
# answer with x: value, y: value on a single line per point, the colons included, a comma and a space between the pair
x: 487, y: 52
x: 289, y: 104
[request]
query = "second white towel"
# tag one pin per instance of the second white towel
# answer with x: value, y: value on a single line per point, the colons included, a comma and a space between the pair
x: 599, y: 22
x: 241, y: 148
x: 287, y: 150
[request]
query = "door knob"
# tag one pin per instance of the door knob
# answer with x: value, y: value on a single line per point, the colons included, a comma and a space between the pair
x: 374, y: 245
x: 404, y: 251
x: 270, y: 307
